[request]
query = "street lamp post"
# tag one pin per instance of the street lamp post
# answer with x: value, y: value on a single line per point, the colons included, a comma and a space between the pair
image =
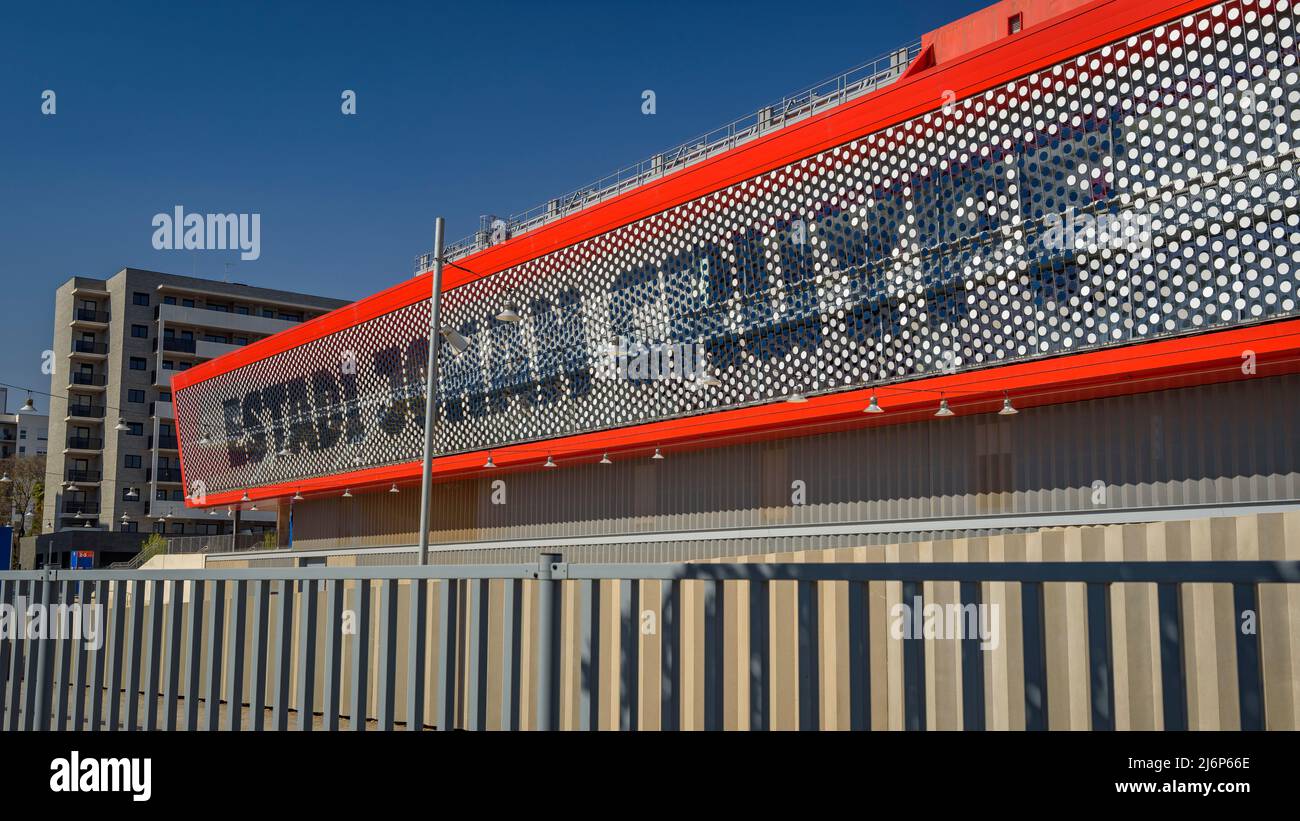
x: 431, y: 392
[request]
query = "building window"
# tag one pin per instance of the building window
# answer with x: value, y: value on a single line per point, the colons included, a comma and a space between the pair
x: 268, y: 313
x: 169, y: 300
x: 241, y: 340
x: 242, y: 310
x: 131, y: 460
x: 159, y: 526
x: 138, y: 363
x: 160, y: 495
x: 169, y: 365
x: 130, y: 527
x: 164, y: 396
x: 1014, y: 23
x: 135, y: 395
x: 129, y: 496
x: 178, y: 496
x: 140, y: 298
x: 22, y: 434
x: 140, y: 331
x: 178, y: 528
x: 187, y: 303
x: 135, y: 428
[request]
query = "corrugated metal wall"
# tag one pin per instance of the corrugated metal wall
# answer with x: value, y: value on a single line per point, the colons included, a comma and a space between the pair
x: 1218, y: 444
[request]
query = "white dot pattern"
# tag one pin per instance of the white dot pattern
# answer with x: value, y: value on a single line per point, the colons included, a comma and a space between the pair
x: 1141, y: 190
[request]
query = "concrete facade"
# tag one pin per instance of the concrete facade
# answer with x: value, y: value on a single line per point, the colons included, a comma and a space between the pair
x: 117, y: 342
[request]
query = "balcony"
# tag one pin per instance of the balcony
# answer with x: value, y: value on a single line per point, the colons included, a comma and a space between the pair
x: 162, y: 378
x: 91, y: 317
x: 93, y: 380
x: 163, y: 475
x: 204, y: 318
x: 85, y: 443
x: 85, y: 476
x: 162, y: 410
x: 87, y: 348
x: 85, y: 411
x: 85, y: 508
x: 172, y: 343
x: 163, y: 442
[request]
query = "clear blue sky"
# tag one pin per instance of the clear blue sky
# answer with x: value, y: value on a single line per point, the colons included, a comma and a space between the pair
x: 462, y: 109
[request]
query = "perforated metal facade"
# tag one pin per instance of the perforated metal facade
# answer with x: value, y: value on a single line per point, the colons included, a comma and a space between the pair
x: 1142, y: 190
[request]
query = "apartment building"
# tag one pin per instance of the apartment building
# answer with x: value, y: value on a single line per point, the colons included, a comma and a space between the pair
x: 115, y: 464
x: 25, y: 433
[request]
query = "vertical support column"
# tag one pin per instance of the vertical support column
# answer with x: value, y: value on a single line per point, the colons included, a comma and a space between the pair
x: 1173, y: 680
x: 1101, y: 683
x: 630, y: 654
x: 548, y: 642
x: 415, y: 661
x: 913, y: 665
x: 1250, y: 681
x: 1035, y: 655
x: 760, y: 658
x: 972, y: 663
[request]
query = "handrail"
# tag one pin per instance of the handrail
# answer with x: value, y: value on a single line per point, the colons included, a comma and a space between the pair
x: 855, y: 82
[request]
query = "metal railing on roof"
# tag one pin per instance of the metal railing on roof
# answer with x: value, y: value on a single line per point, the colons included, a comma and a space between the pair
x: 855, y: 82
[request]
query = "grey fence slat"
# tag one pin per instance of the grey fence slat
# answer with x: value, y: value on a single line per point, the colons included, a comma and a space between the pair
x: 510, y: 646
x: 972, y: 660
x: 1101, y: 665
x: 175, y: 634
x: 96, y: 680
x: 257, y: 673
x: 334, y: 591
x: 235, y: 655
x: 153, y: 655
x: 78, y: 717
x: 282, y: 652
x: 859, y: 657
x: 114, y: 681
x: 20, y: 655
x: 212, y: 683
x: 385, y: 687
x: 134, y: 655
x: 8, y: 648
x: 194, y: 654
x: 589, y: 667
x: 307, y: 655
x: 446, y: 703
x: 669, y: 663
x: 809, y: 658
x: 416, y: 668
x: 361, y: 658
x: 1173, y: 681
x: 1035, y: 655
x: 63, y: 662
x: 1250, y: 680
x: 475, y: 630
x: 39, y: 689
x: 913, y: 666
x: 715, y: 657
x: 630, y: 654
x: 760, y: 657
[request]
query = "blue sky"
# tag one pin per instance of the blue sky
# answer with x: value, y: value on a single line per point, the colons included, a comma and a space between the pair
x: 462, y: 109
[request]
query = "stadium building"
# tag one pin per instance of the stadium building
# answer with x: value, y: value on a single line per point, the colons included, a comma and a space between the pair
x: 1039, y: 269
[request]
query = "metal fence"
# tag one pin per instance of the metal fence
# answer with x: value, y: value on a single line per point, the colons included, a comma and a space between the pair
x: 577, y: 646
x: 222, y: 543
x: 557, y: 645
